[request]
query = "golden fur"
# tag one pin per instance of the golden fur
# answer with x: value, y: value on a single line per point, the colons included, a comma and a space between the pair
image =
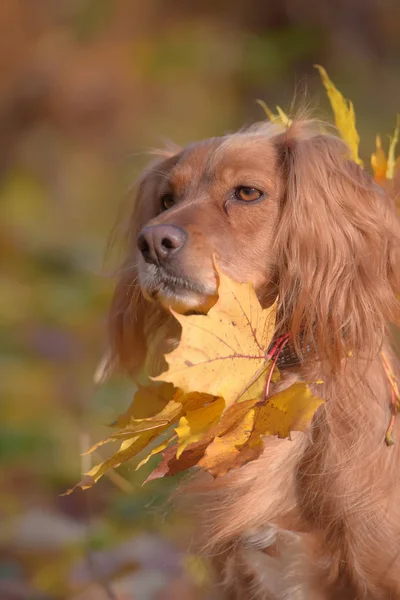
x: 317, y: 517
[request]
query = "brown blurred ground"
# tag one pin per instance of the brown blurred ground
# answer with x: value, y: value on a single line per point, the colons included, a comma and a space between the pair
x: 86, y: 86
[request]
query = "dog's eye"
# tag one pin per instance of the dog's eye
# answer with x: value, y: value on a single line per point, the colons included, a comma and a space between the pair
x: 247, y: 194
x: 167, y: 201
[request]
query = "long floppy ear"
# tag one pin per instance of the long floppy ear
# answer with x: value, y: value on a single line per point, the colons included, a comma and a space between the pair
x: 131, y: 315
x: 337, y: 248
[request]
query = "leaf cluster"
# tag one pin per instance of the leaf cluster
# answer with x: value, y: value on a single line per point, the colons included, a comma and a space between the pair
x: 211, y: 405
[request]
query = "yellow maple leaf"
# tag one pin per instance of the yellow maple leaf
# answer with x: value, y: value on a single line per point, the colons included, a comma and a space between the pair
x: 289, y: 410
x: 196, y: 423
x: 224, y: 352
x: 345, y: 118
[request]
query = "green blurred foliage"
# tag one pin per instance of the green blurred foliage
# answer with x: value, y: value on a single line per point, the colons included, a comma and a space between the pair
x: 85, y: 88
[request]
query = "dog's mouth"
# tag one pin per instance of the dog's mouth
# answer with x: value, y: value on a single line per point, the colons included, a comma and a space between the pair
x: 180, y: 293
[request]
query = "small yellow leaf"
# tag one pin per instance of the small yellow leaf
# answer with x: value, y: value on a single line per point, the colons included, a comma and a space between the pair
x: 289, y: 410
x: 267, y: 110
x: 283, y: 117
x: 148, y: 401
x: 345, y: 118
x: 391, y: 162
x: 196, y: 423
x: 155, y: 450
x: 221, y: 454
x: 129, y: 433
x: 280, y: 115
x: 233, y: 415
x: 168, y: 415
x: 128, y: 449
x: 223, y: 352
x: 194, y: 400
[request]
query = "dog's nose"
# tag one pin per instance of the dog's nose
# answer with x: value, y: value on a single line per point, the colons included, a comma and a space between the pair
x: 157, y: 243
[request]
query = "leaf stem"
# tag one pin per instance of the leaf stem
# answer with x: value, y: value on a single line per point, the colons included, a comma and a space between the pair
x: 273, y: 355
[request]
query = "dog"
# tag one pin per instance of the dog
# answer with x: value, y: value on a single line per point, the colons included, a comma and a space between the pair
x: 316, y: 517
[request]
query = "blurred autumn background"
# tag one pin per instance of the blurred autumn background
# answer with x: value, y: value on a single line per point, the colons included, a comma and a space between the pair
x: 86, y: 87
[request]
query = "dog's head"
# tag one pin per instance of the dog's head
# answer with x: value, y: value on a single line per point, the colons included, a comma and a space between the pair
x: 285, y: 209
x: 219, y: 198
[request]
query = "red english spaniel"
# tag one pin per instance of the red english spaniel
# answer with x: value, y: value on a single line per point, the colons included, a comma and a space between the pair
x: 316, y: 517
